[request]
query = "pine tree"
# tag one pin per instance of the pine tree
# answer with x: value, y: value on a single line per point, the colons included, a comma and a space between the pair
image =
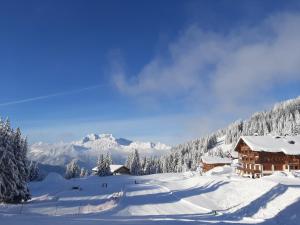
x: 33, y: 173
x: 135, y: 167
x: 72, y: 170
x: 103, y: 165
x: 84, y: 172
x: 128, y: 161
x: 13, y: 166
x: 147, y: 166
x: 108, y: 162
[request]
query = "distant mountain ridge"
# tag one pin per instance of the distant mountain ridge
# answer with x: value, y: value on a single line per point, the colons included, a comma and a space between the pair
x: 87, y: 150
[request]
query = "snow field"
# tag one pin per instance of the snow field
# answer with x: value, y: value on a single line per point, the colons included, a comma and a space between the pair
x: 217, y: 197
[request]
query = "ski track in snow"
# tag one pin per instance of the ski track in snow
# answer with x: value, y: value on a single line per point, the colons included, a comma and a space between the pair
x: 168, y: 199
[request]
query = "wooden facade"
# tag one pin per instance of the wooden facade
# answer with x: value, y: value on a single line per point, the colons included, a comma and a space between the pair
x: 256, y: 163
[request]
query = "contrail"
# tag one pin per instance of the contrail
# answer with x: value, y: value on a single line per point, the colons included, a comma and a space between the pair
x: 49, y: 96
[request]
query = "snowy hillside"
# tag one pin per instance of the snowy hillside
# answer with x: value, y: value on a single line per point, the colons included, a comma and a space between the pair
x: 282, y: 119
x: 87, y: 150
x: 217, y: 197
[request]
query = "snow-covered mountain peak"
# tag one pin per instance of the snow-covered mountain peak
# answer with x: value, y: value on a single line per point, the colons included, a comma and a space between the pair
x: 103, y: 137
x: 107, y: 136
x: 90, y: 137
x: 88, y: 149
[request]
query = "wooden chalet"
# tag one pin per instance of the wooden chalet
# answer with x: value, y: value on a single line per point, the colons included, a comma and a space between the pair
x: 210, y: 162
x: 116, y: 169
x: 262, y: 155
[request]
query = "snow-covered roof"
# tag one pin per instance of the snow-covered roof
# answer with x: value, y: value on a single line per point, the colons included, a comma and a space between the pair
x: 215, y: 160
x: 234, y: 154
x: 113, y: 168
x: 290, y: 145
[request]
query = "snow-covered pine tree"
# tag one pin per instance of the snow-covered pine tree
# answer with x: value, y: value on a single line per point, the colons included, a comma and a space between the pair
x: 20, y: 150
x: 128, y: 161
x: 108, y: 157
x: 33, y: 173
x: 100, y: 165
x: 13, y: 167
x: 83, y: 172
x: 143, y: 164
x: 72, y: 170
x: 135, y: 167
x: 103, y: 165
x: 108, y: 162
x: 147, y: 166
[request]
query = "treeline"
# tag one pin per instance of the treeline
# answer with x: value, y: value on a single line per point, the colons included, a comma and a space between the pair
x: 145, y: 166
x: 137, y: 166
x: 73, y: 170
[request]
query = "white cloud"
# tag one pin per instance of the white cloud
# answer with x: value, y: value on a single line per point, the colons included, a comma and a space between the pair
x: 170, y: 129
x: 43, y: 97
x: 226, y: 69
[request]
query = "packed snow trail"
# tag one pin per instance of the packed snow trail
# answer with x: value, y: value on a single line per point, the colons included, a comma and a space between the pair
x: 151, y: 199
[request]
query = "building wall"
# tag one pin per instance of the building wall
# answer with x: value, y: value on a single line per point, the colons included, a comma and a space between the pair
x: 256, y: 164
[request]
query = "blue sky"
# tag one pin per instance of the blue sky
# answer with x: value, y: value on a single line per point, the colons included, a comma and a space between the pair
x: 164, y: 71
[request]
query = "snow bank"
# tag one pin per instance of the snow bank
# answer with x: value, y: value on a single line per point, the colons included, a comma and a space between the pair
x: 283, y: 174
x: 111, y: 202
x: 53, y: 178
x: 220, y: 170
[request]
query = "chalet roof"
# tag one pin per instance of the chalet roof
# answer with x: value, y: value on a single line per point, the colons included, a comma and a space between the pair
x: 215, y: 160
x: 290, y: 145
x: 113, y: 168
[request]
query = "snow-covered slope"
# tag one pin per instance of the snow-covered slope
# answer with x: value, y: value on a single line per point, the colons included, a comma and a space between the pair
x: 218, y: 197
x: 87, y: 150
